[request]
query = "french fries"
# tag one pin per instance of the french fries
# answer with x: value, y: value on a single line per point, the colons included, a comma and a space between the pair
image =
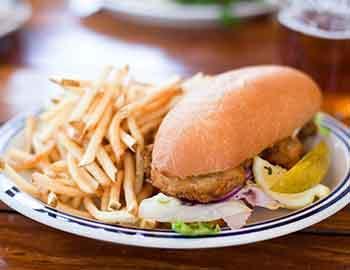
x: 62, y: 106
x: 29, y: 130
x: 64, y: 82
x: 160, y: 113
x: 53, y: 125
x: 31, y: 161
x: 15, y: 156
x: 82, y: 179
x: 64, y: 181
x: 139, y: 153
x: 128, y: 140
x: 106, y: 163
x: 85, y: 153
x: 76, y: 202
x: 77, y: 153
x: 97, y: 114
x: 151, y: 125
x: 46, y: 183
x: 114, y: 196
x: 57, y: 167
x: 72, y: 211
x: 96, y: 139
x: 129, y: 183
x: 146, y: 192
x: 64, y: 198
x: 105, y: 199
x: 120, y: 216
x: 22, y: 183
x: 52, y: 199
x: 89, y: 95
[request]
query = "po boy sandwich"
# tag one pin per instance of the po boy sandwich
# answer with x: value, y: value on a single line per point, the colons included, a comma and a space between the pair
x: 236, y: 141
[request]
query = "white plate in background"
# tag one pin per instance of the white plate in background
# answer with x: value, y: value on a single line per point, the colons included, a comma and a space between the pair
x: 170, y: 13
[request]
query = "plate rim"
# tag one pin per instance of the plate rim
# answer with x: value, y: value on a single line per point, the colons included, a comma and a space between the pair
x: 338, y: 199
x: 21, y: 7
x: 201, y: 16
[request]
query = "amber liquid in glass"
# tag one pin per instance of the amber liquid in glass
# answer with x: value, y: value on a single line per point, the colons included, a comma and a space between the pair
x: 319, y: 44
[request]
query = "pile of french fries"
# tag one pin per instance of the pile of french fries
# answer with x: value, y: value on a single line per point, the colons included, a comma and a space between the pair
x: 85, y: 153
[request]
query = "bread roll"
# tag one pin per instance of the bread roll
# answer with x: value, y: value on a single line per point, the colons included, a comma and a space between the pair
x: 232, y: 117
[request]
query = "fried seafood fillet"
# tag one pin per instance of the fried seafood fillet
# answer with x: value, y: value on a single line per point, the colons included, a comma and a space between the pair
x: 204, y: 188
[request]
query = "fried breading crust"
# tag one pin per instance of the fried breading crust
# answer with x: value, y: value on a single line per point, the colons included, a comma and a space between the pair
x: 199, y: 188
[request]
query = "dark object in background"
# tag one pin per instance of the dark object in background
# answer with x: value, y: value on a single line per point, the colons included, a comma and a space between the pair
x: 316, y: 40
x: 14, y: 14
x: 10, y: 48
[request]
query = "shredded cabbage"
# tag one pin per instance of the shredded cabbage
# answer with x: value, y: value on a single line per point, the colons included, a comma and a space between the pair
x: 164, y: 208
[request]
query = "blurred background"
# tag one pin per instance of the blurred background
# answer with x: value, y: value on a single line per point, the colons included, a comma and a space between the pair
x: 160, y: 38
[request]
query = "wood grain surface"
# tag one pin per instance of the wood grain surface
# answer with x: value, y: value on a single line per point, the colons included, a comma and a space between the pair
x: 56, y: 250
x: 57, y: 42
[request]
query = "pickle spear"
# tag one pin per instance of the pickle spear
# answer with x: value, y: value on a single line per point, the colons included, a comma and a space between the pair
x: 266, y: 175
x: 307, y: 173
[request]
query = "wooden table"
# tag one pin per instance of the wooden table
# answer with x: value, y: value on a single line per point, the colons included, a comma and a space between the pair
x: 55, y: 41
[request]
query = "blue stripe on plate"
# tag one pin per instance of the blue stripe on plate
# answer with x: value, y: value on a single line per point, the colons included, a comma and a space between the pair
x: 247, y: 229
x: 16, y: 126
x: 10, y: 193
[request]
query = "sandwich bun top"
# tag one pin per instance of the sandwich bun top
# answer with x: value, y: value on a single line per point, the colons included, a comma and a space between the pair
x: 232, y: 117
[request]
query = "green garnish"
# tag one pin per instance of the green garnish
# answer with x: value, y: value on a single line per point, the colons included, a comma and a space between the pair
x: 163, y: 200
x: 226, y: 17
x: 269, y: 170
x: 195, y: 229
x: 324, y: 131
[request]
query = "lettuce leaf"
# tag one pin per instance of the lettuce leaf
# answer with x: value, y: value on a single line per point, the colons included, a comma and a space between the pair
x: 324, y: 131
x: 195, y: 229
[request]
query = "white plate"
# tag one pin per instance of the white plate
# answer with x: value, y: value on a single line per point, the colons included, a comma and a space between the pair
x: 13, y: 14
x: 264, y: 224
x: 170, y: 13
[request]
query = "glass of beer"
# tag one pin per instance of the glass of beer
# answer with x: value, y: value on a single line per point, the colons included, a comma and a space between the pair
x: 315, y: 38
